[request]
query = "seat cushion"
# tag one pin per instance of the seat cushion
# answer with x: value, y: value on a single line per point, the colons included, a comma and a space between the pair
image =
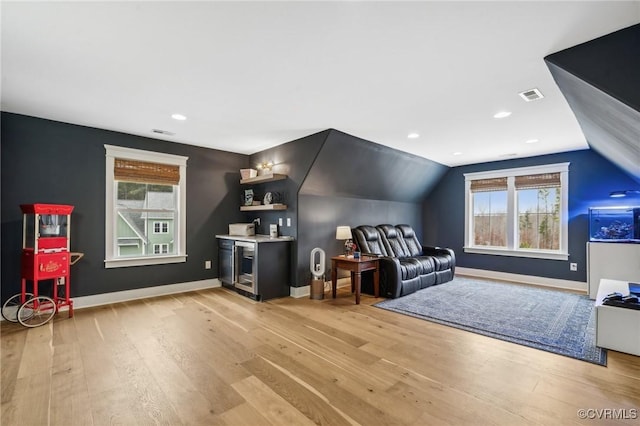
x: 427, y: 264
x: 410, y: 268
x: 442, y: 262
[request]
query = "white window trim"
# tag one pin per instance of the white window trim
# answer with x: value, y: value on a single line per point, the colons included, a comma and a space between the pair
x: 111, y: 258
x: 510, y: 250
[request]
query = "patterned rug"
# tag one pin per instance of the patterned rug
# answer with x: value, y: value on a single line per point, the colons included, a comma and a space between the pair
x: 559, y: 322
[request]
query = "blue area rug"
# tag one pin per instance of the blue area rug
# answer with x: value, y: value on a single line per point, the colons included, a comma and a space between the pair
x: 554, y: 321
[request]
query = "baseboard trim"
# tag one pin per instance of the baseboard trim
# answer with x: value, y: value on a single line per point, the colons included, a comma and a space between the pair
x: 142, y: 293
x: 523, y: 279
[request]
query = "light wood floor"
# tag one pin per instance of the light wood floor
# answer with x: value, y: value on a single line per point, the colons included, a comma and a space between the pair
x: 214, y: 357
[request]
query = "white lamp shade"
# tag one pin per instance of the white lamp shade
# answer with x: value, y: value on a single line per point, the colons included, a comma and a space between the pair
x: 343, y: 233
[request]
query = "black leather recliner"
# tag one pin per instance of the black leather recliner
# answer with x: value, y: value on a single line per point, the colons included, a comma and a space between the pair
x: 405, y: 265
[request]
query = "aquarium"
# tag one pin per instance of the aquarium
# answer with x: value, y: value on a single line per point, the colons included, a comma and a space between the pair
x: 614, y: 224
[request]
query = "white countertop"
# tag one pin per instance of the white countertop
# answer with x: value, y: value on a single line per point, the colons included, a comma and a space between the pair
x: 256, y: 238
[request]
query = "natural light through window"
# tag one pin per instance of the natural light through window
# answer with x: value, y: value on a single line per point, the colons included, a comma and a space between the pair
x: 518, y: 212
x: 145, y: 208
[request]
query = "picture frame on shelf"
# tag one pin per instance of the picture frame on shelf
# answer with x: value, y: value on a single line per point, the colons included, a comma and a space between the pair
x: 248, y: 197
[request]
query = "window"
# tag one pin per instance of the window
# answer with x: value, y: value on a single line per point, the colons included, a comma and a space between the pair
x: 160, y: 248
x: 160, y: 227
x: 518, y: 212
x: 145, y: 208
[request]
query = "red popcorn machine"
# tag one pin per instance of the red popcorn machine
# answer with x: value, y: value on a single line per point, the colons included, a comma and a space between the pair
x: 45, y: 256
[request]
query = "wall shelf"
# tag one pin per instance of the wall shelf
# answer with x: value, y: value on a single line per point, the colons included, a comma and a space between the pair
x: 263, y: 207
x: 268, y: 177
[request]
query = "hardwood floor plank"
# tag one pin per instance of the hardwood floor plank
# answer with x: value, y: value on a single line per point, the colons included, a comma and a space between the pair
x: 304, y: 398
x: 244, y: 414
x: 273, y: 407
x: 11, y: 348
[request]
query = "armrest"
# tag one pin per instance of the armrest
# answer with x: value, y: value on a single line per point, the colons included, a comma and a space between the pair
x: 441, y: 251
x: 390, y: 276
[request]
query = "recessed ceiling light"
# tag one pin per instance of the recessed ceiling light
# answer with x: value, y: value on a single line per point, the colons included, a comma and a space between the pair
x: 178, y: 117
x: 457, y: 153
x: 502, y: 114
x: 532, y: 141
x: 413, y: 136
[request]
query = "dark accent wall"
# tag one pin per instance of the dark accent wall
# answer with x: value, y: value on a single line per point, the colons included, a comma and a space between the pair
x: 600, y: 81
x: 609, y: 63
x: 293, y: 159
x: 356, y: 182
x: 591, y: 179
x: 52, y: 162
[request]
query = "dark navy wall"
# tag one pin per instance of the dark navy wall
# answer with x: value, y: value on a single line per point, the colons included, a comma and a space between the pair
x: 591, y: 179
x: 293, y: 159
x: 609, y: 63
x: 357, y: 182
x: 51, y: 162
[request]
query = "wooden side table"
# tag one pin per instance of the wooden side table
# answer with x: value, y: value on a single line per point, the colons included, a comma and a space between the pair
x: 356, y: 266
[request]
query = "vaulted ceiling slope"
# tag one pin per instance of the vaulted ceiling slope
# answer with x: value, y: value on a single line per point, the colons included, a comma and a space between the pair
x: 351, y: 167
x: 601, y: 82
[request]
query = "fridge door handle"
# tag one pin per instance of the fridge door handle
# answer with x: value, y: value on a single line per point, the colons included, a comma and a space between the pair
x: 234, y: 257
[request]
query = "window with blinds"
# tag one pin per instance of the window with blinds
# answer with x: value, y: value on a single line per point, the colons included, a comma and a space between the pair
x: 519, y: 211
x: 538, y: 209
x: 146, y: 206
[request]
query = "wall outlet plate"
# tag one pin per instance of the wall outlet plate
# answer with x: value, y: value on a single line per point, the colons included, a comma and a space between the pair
x: 207, y: 264
x: 573, y: 266
x: 288, y: 221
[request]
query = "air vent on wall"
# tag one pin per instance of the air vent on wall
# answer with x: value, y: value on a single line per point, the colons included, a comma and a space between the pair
x: 531, y: 95
x: 163, y: 132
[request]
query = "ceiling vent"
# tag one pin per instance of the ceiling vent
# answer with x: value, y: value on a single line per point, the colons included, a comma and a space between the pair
x: 531, y: 95
x: 163, y: 132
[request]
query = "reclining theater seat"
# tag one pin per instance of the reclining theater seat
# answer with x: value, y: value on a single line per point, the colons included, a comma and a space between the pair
x: 423, y: 267
x: 405, y: 266
x: 368, y: 240
x: 444, y: 259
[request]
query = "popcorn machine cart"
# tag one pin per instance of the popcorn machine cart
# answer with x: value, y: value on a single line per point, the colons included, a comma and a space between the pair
x: 45, y: 256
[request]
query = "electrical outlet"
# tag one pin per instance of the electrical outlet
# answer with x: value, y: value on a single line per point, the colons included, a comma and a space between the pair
x: 573, y: 266
x: 288, y: 221
x: 207, y: 264
x: 279, y: 221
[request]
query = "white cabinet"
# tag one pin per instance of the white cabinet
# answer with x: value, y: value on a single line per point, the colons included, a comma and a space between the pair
x: 615, y: 261
x: 617, y: 328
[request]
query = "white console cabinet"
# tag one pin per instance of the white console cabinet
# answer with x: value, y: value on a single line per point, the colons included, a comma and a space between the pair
x: 617, y: 328
x: 614, y: 261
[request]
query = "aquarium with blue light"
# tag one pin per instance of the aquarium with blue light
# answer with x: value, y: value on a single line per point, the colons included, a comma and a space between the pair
x: 614, y: 224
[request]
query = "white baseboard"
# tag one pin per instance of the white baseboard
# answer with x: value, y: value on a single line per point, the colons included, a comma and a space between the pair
x: 142, y: 293
x: 523, y: 279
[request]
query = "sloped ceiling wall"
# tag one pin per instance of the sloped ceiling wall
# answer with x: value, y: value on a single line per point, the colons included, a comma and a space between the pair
x: 601, y: 82
x: 351, y: 167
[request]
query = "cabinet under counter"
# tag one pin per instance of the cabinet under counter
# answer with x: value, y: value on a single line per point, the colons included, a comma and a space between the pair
x: 257, y: 266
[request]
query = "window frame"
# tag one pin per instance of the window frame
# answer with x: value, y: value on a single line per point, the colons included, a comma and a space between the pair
x: 512, y: 210
x: 112, y: 260
x: 162, y: 225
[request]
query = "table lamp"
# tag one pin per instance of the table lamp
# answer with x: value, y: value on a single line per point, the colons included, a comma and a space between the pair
x: 344, y: 233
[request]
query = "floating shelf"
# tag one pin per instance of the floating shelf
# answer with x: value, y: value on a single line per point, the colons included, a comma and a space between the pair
x: 268, y: 177
x: 263, y: 207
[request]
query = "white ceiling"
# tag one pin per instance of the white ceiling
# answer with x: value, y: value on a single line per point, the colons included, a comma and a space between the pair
x: 252, y: 75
